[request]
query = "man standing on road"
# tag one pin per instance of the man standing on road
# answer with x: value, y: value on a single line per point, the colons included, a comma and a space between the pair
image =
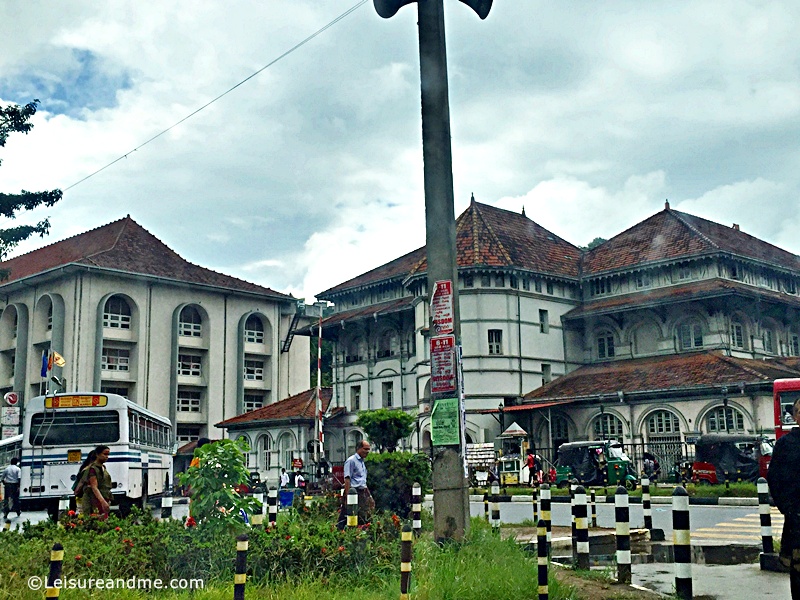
x: 784, y: 485
x: 355, y: 476
x: 10, y: 477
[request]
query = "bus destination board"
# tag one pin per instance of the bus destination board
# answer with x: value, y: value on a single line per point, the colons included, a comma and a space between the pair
x: 86, y: 401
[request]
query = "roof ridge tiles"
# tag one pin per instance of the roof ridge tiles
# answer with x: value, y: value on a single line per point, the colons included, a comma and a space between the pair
x: 679, y: 216
x: 476, y: 208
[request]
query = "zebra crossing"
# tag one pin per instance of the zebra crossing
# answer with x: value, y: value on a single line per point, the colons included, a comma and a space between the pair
x: 741, y: 530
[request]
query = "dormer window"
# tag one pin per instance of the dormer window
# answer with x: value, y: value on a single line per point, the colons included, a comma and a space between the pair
x: 599, y: 287
x: 643, y: 281
x: 605, y: 344
x: 691, y: 336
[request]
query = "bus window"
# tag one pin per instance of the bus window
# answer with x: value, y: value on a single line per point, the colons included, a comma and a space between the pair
x: 67, y: 428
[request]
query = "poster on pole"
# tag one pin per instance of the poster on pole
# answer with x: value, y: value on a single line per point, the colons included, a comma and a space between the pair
x: 444, y: 422
x: 9, y: 415
x: 443, y: 364
x: 442, y: 307
x: 9, y: 431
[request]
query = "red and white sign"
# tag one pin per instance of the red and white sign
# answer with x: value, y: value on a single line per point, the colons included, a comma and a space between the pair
x: 297, y: 463
x: 442, y: 307
x: 443, y: 364
x: 11, y: 398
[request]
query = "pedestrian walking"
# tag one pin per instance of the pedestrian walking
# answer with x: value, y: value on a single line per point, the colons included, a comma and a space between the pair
x: 10, y: 477
x: 784, y: 485
x: 96, y: 498
x: 284, y: 479
x: 355, y: 476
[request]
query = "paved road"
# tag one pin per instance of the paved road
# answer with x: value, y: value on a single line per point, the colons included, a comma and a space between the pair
x: 710, y: 524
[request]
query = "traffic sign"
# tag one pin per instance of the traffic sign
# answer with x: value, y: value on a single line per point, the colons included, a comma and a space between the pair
x: 11, y: 398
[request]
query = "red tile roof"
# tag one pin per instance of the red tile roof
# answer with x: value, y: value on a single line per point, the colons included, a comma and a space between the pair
x: 661, y: 373
x: 697, y: 290
x: 299, y: 406
x: 126, y: 246
x: 671, y: 235
x: 485, y: 237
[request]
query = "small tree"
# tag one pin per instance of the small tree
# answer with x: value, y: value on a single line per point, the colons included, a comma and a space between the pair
x: 385, y: 427
x: 213, y: 482
x: 16, y: 119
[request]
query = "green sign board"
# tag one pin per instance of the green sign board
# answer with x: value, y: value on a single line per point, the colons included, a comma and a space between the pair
x: 444, y: 422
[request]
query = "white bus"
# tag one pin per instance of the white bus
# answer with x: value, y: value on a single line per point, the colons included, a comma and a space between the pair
x: 60, y: 430
x: 10, y: 448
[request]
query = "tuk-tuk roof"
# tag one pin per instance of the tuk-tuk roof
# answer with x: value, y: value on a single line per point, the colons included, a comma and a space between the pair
x: 730, y: 438
x: 588, y: 444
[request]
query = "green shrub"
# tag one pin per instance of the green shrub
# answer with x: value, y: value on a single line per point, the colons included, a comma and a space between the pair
x: 391, y: 477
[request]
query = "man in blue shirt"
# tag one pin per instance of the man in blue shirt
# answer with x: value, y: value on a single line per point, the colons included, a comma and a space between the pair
x: 355, y: 476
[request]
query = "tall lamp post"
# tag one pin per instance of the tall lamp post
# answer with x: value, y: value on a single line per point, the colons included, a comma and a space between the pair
x: 450, y: 490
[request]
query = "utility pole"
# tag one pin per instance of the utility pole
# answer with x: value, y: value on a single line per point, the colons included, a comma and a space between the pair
x: 450, y: 489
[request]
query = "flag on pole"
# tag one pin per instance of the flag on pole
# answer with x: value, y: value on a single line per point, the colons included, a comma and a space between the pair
x: 45, y: 367
x: 50, y: 361
x: 58, y: 359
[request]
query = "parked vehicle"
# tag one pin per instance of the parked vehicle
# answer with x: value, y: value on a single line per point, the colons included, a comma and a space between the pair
x: 724, y: 457
x: 594, y: 463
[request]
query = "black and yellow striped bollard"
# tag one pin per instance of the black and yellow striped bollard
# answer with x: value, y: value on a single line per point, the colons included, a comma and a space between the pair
x: 272, y: 503
x: 53, y: 588
x: 622, y: 514
x: 545, y: 496
x: 352, y: 508
x: 486, y: 506
x: 542, y: 547
x: 593, y: 502
x: 240, y: 576
x: 646, y: 508
x: 495, y: 508
x: 535, y: 502
x: 581, y: 529
x: 764, y: 516
x: 682, y: 544
x: 416, y: 508
x: 405, y: 561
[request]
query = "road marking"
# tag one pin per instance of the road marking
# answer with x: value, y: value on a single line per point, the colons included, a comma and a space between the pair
x: 747, y: 528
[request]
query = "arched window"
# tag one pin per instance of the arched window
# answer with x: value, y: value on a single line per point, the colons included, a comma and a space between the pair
x: 737, y: 335
x: 265, y: 451
x: 354, y: 351
x: 353, y: 438
x: 50, y: 317
x: 253, y: 330
x: 190, y: 324
x: 117, y: 313
x: 608, y: 427
x: 559, y: 428
x: 725, y: 420
x: 605, y: 344
x: 286, y: 449
x: 768, y: 339
x: 690, y: 335
x: 247, y: 461
x: 663, y: 422
x: 387, y: 344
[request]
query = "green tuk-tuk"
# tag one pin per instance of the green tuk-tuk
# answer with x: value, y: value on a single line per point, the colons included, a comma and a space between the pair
x: 594, y: 464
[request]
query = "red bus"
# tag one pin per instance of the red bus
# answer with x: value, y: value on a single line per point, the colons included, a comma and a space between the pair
x: 785, y: 392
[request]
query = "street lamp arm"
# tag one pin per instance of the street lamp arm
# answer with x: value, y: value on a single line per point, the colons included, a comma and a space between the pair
x: 389, y: 8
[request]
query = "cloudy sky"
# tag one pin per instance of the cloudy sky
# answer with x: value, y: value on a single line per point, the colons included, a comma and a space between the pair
x: 589, y: 114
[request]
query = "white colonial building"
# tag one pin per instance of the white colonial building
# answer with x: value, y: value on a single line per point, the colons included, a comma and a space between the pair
x: 672, y: 328
x: 132, y: 317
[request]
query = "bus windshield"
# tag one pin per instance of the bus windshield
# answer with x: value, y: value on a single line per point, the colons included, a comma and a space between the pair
x: 74, y: 427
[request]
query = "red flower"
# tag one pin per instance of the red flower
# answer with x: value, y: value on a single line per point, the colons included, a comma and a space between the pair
x: 89, y: 563
x: 78, y: 557
x: 340, y: 548
x: 71, y: 513
x: 324, y: 550
x: 288, y: 537
x: 190, y: 522
x: 117, y: 529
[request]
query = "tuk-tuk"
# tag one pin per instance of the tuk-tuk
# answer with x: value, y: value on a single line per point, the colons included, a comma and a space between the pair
x: 594, y: 463
x: 722, y: 457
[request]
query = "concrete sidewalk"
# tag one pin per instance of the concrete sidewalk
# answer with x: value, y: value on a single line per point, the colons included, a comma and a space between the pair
x: 720, y: 582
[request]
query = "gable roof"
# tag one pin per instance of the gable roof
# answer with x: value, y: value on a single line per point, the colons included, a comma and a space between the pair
x: 671, y: 235
x: 299, y: 406
x: 486, y: 236
x: 125, y: 246
x: 675, y: 372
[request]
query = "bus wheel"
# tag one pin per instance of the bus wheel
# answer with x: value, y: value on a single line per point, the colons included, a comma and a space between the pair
x: 125, y: 505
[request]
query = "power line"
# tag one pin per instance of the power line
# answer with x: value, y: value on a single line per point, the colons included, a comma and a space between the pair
x: 225, y: 93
